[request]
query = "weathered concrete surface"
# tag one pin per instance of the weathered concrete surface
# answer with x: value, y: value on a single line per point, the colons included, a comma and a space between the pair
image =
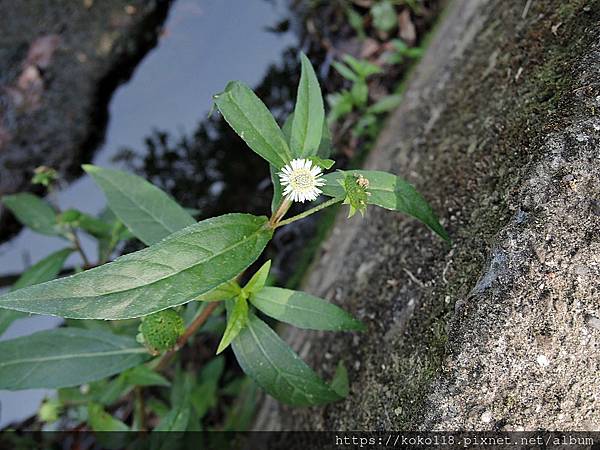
x: 60, y: 61
x: 500, y: 131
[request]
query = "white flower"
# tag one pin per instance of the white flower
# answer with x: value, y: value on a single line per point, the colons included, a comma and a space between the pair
x: 301, y: 180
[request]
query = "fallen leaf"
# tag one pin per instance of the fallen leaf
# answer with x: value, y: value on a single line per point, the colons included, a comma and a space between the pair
x: 408, y: 33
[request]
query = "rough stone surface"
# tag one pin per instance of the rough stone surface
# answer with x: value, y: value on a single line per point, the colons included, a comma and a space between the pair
x: 500, y: 131
x: 60, y: 61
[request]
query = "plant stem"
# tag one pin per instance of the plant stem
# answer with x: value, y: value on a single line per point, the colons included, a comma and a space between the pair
x: 197, y: 323
x: 307, y: 213
x: 280, y: 212
x: 141, y: 408
x: 75, y: 240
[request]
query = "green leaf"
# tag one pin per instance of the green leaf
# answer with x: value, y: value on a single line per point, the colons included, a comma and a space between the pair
x: 322, y: 163
x: 362, y: 67
x: 356, y: 193
x: 176, y: 420
x: 253, y: 122
x: 325, y: 146
x: 44, y: 270
x: 144, y: 376
x: 33, y: 212
x: 277, y: 189
x: 94, y: 226
x: 341, y: 104
x: 147, y: 211
x: 258, y: 280
x: 303, y: 310
x: 356, y: 22
x: 204, y: 394
x: 236, y: 320
x: 345, y: 71
x: 65, y: 357
x: 390, y: 192
x: 340, y: 382
x: 175, y: 271
x: 360, y: 93
x: 386, y: 104
x: 240, y: 415
x: 384, y: 16
x: 7, y: 317
x: 225, y: 291
x: 309, y: 113
x: 274, y: 366
x: 100, y: 420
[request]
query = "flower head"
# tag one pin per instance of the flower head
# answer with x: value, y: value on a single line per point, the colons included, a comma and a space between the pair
x: 301, y: 180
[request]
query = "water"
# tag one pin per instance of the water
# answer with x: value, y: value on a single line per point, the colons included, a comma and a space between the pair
x: 206, y: 43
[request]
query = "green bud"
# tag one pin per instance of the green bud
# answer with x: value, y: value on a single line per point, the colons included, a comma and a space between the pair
x: 44, y: 175
x: 160, y: 331
x: 356, y: 187
x: 69, y: 217
x: 49, y: 410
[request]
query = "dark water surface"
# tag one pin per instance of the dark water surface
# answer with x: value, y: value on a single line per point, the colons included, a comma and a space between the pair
x: 156, y: 116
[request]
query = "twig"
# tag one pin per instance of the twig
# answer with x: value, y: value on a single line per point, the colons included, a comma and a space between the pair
x: 197, y: 323
x: 308, y: 212
x: 139, y: 397
x: 79, y: 248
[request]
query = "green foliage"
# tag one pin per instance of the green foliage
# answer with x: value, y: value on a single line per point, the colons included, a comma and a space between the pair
x: 390, y: 192
x: 147, y: 211
x: 65, y: 357
x: 274, y: 366
x: 309, y: 114
x: 303, y: 310
x: 192, y: 263
x: 44, y: 270
x: 45, y: 176
x: 401, y: 52
x: 357, y: 195
x: 253, y: 122
x: 384, y: 16
x: 34, y: 213
x: 236, y: 320
x: 357, y: 97
x: 172, y: 272
x: 160, y: 331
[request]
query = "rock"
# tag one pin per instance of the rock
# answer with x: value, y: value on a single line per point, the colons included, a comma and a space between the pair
x: 60, y: 61
x: 502, y: 332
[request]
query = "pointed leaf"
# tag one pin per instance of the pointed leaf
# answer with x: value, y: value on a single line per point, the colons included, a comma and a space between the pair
x: 100, y: 420
x: 258, y: 280
x: 225, y: 291
x: 277, y: 189
x: 340, y: 382
x: 33, y: 212
x: 309, y: 113
x: 253, y: 122
x: 176, y: 420
x: 303, y: 310
x: 144, y: 376
x: 345, y: 71
x: 275, y: 367
x: 175, y: 271
x: 390, y: 192
x: 44, y: 270
x: 236, y: 320
x: 147, y: 211
x: 65, y: 357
